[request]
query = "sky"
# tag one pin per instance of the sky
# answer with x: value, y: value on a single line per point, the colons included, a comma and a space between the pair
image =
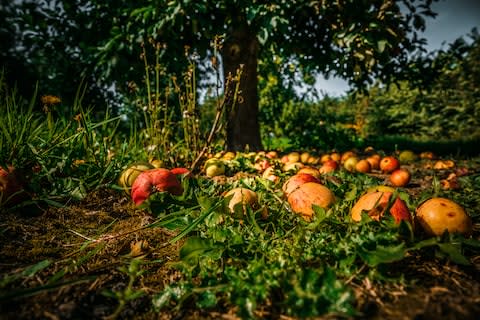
x: 455, y: 18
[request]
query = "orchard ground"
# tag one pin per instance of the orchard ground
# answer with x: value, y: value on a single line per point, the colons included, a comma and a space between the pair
x: 78, y: 252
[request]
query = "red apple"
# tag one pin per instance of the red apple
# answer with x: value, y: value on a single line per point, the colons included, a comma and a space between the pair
x: 400, y: 177
x: 11, y: 187
x: 181, y: 172
x: 295, y: 181
x: 375, y: 204
x: 155, y: 180
x: 389, y: 164
x: 328, y: 166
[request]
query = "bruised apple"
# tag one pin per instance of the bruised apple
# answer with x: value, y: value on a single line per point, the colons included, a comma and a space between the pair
x: 155, y: 180
x: 437, y: 215
x: 295, y: 181
x: 241, y: 198
x: 375, y: 204
x: 269, y: 174
x: 303, y: 198
x: 294, y: 166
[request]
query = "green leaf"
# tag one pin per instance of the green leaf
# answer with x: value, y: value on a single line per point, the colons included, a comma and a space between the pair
x: 263, y: 36
x: 195, y: 223
x: 381, y: 45
x: 196, y: 247
x: 383, y: 254
x: 454, y: 253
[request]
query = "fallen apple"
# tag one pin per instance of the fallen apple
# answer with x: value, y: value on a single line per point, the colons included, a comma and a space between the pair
x: 292, y: 166
x: 350, y: 163
x: 269, y: 174
x: 328, y: 166
x: 214, y: 167
x: 295, y: 181
x: 346, y: 155
x: 241, y: 199
x: 375, y: 205
x: 310, y: 170
x: 374, y: 161
x: 303, y: 198
x: 363, y: 166
x: 407, y: 156
x: 389, y: 164
x: 437, y: 215
x: 400, y: 177
x: 128, y: 176
x: 181, y: 172
x: 293, y: 156
x: 12, y: 191
x: 155, y: 180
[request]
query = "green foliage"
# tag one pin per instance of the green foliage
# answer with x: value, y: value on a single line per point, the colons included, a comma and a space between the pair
x: 441, y: 114
x: 297, y: 268
x: 67, y: 41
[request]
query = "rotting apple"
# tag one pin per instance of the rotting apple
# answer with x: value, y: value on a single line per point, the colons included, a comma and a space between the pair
x: 155, y: 180
x: 295, y: 181
x: 262, y: 165
x: 292, y: 166
x: 303, y: 198
x: 437, y: 215
x: 389, y: 164
x: 375, y: 205
x: 269, y: 174
x: 400, y: 177
x: 241, y: 198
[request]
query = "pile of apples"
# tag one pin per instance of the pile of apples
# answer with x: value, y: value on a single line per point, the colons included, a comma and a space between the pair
x: 302, y: 188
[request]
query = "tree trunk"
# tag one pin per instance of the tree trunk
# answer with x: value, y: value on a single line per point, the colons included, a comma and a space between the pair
x: 243, y: 129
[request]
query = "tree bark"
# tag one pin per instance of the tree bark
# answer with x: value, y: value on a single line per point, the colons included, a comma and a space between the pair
x: 241, y: 49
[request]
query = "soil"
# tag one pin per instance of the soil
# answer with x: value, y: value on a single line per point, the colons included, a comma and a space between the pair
x: 86, y: 244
